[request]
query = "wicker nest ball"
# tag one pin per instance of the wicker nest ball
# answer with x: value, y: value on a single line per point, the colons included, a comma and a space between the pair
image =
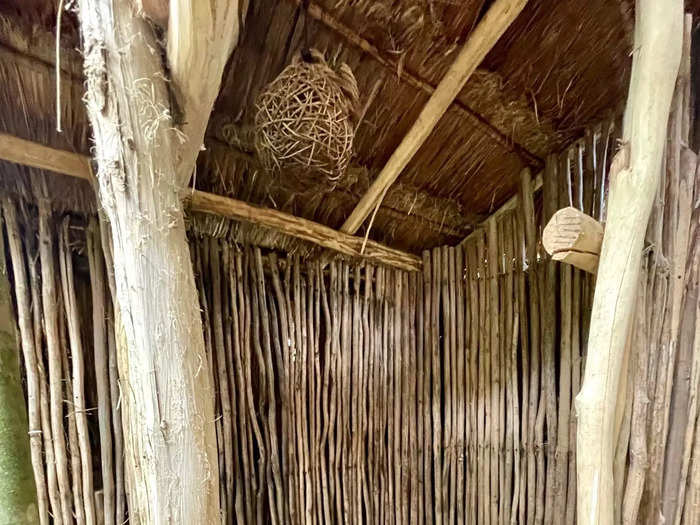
x: 304, y: 122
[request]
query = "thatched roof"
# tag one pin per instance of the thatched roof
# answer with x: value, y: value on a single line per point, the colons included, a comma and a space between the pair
x: 561, y: 67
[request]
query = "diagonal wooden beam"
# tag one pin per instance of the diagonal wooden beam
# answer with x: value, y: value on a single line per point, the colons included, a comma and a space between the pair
x: 412, y: 79
x: 495, y: 22
x: 36, y: 155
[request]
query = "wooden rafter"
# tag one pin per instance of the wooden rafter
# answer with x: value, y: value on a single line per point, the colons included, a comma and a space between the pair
x: 29, y: 153
x: 494, y: 23
x: 412, y: 79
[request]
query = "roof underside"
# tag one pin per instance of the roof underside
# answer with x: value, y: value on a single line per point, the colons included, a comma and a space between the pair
x: 557, y: 70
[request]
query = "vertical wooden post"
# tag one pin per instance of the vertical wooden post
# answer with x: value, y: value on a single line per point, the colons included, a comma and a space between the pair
x: 658, y: 38
x: 142, y: 166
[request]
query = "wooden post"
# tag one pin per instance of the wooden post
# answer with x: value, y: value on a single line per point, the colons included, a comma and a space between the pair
x: 168, y: 399
x: 658, y: 39
x: 18, y: 500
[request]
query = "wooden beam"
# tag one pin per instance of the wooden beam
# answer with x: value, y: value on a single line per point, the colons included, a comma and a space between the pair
x: 574, y: 238
x: 30, y: 153
x: 348, y: 34
x: 301, y: 229
x: 36, y: 155
x: 201, y: 37
x: 657, y: 54
x: 498, y: 18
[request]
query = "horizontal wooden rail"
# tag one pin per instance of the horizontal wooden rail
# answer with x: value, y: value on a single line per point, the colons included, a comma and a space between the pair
x: 36, y: 155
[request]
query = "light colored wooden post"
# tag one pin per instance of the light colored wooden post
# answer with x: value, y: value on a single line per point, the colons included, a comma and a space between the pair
x: 144, y: 160
x: 657, y: 51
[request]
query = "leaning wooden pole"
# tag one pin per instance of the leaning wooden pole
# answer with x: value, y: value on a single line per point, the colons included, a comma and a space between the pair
x: 142, y: 167
x: 658, y: 39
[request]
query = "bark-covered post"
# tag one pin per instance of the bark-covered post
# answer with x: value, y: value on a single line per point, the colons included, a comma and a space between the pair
x: 18, y: 503
x: 657, y: 52
x: 144, y: 160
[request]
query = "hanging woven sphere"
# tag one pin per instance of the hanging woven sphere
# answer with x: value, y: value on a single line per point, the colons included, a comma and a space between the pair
x: 304, y: 122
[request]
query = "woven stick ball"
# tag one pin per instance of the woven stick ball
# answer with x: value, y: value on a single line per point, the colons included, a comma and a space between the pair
x: 304, y: 122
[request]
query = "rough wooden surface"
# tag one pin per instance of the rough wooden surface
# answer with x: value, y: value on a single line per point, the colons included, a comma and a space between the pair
x: 302, y: 229
x: 575, y: 238
x: 656, y: 62
x: 168, y: 395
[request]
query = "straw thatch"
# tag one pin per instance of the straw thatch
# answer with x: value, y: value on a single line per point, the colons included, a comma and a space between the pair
x: 531, y: 96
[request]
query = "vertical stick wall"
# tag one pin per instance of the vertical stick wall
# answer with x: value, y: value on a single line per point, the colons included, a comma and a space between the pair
x: 361, y: 394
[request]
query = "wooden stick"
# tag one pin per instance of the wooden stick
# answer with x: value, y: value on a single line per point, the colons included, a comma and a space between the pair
x: 485, y: 414
x: 101, y: 369
x: 36, y: 155
x: 436, y: 395
x: 49, y: 296
x: 115, y: 338
x: 29, y: 354
x: 656, y: 62
x: 476, y: 401
x: 504, y: 310
x: 448, y: 386
x: 494, y: 23
x: 78, y: 370
x: 461, y: 328
x: 286, y: 384
x: 518, y: 493
x: 561, y: 456
x: 32, y: 256
x: 428, y: 465
x: 226, y: 444
x: 301, y: 229
x: 527, y: 457
x: 509, y: 355
x: 413, y: 408
x: 78, y: 509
